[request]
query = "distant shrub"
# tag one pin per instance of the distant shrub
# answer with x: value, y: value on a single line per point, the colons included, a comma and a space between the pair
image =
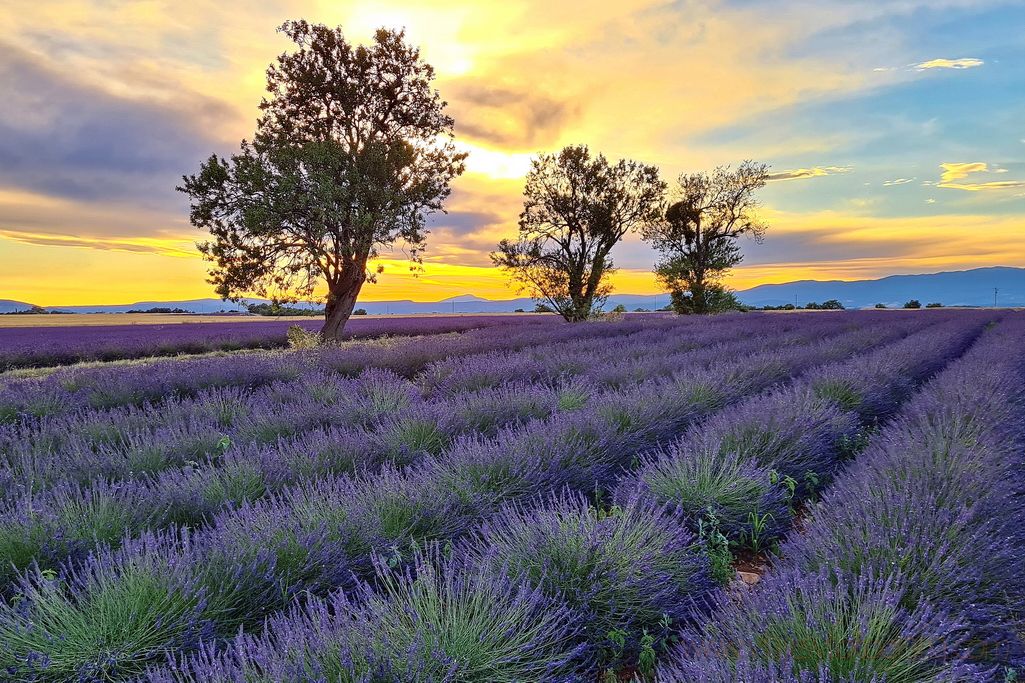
x: 717, y: 300
x: 934, y: 304
x: 301, y: 338
x: 832, y: 305
x: 620, y: 308
x: 913, y: 303
x: 641, y: 310
x: 880, y: 305
x: 519, y: 310
x: 543, y: 308
x: 360, y: 311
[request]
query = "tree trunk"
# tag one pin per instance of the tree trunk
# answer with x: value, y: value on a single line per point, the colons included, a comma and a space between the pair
x: 340, y: 301
x: 697, y: 293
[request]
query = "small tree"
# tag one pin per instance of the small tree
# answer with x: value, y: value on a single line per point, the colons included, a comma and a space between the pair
x: 880, y: 305
x: 717, y: 299
x: 698, y: 238
x: 935, y: 304
x: 577, y: 207
x: 913, y: 303
x: 832, y: 305
x: 351, y: 154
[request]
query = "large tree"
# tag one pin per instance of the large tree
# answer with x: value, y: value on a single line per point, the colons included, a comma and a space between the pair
x: 352, y: 152
x: 577, y: 207
x: 698, y: 239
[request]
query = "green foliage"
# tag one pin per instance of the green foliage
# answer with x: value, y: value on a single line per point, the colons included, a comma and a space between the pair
x: 913, y: 303
x: 716, y: 300
x: 112, y: 631
x: 841, y: 391
x: 716, y: 547
x: 360, y: 311
x: 276, y: 309
x: 934, y: 304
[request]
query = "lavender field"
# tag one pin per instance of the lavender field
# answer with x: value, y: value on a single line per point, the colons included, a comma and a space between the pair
x: 817, y: 498
x: 29, y: 346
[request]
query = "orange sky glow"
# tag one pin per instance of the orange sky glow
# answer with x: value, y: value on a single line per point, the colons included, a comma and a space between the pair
x: 894, y: 136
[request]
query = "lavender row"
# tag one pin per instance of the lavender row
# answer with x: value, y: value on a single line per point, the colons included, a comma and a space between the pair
x: 128, y: 442
x: 71, y: 389
x: 49, y: 346
x: 622, y: 577
x: 70, y: 519
x: 743, y: 473
x: 317, y: 536
x: 910, y: 568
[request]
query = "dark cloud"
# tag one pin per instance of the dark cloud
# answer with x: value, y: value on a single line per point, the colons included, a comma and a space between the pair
x: 102, y: 244
x: 509, y: 116
x: 463, y: 223
x: 63, y: 138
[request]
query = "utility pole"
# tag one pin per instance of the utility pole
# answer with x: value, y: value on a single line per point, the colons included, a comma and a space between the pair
x: 995, y: 290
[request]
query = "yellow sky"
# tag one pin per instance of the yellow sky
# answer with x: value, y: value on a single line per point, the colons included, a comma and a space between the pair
x: 117, y: 100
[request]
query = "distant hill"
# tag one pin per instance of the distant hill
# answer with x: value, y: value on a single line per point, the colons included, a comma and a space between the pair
x: 11, y: 306
x: 956, y: 288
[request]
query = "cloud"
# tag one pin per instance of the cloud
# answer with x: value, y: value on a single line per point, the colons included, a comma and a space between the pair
x: 959, y: 64
x: 137, y: 245
x: 510, y: 115
x: 955, y: 172
x: 898, y: 181
x: 962, y: 63
x: 64, y: 138
x: 813, y: 172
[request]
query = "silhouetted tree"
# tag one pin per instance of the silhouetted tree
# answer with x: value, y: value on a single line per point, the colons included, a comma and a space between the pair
x: 913, y: 303
x: 880, y: 305
x: 698, y: 238
x: 935, y: 304
x: 351, y: 154
x: 832, y: 305
x: 577, y: 207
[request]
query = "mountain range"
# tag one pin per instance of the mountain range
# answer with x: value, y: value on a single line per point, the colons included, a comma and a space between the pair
x: 954, y: 288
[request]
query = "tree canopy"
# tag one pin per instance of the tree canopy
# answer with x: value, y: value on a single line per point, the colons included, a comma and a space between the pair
x: 577, y: 207
x: 697, y: 239
x: 352, y: 152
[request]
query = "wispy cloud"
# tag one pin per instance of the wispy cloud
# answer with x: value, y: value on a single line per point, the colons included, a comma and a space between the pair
x: 139, y: 245
x: 813, y: 172
x: 961, y: 63
x: 955, y: 172
x: 898, y: 181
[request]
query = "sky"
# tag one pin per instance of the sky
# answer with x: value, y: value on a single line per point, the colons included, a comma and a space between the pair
x: 895, y: 129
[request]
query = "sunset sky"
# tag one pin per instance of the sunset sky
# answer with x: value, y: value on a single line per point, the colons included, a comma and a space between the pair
x: 895, y: 129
